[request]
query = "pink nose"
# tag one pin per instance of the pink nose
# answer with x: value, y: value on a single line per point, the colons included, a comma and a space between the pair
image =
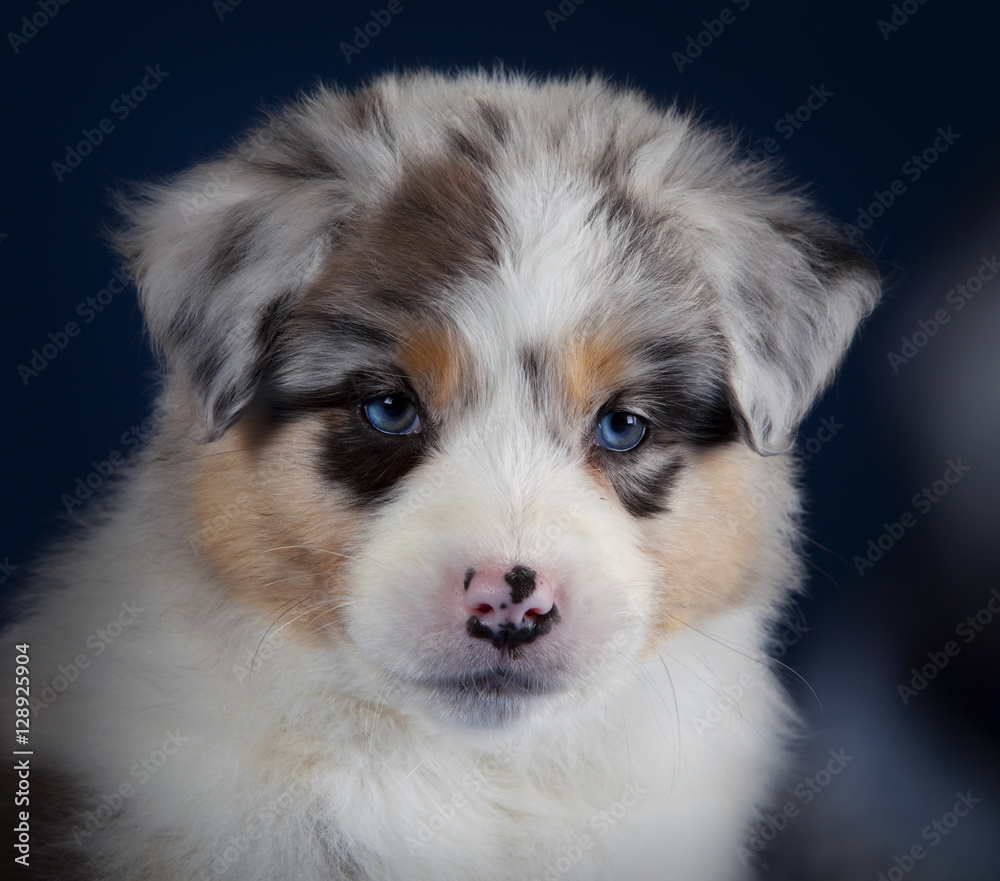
x: 509, y: 608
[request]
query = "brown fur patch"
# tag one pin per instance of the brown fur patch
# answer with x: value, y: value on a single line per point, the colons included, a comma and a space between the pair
x: 707, y: 549
x: 497, y: 121
x: 270, y: 529
x: 440, y: 224
x: 367, y: 111
x: 472, y: 147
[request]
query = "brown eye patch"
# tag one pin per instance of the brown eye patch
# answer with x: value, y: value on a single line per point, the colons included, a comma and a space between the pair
x: 338, y: 362
x: 365, y: 461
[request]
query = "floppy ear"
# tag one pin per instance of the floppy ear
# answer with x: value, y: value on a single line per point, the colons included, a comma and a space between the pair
x: 791, y: 303
x: 220, y: 253
x: 789, y: 289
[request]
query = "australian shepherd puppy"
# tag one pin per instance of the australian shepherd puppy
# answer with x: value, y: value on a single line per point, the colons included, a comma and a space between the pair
x: 469, y: 517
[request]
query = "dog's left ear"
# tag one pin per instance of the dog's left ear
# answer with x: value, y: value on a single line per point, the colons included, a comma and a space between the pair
x: 792, y: 296
x: 219, y: 255
x: 222, y: 252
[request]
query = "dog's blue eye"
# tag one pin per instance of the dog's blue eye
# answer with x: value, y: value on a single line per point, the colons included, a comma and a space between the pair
x: 620, y: 431
x: 393, y: 414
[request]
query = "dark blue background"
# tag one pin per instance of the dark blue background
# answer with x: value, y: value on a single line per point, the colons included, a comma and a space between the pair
x: 900, y: 427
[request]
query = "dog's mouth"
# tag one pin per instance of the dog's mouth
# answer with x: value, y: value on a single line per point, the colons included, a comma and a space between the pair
x: 487, y: 697
x: 497, y: 682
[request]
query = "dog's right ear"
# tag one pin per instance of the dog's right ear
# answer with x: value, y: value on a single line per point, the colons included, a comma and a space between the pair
x: 790, y: 313
x: 220, y: 253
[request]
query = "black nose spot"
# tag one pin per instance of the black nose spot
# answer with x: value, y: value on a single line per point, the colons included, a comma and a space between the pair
x: 522, y: 582
x: 468, y: 577
x: 510, y: 637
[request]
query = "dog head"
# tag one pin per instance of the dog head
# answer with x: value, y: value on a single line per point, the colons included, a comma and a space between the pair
x: 495, y: 367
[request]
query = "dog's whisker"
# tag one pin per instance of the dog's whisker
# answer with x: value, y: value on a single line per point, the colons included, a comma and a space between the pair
x: 760, y: 657
x: 288, y: 578
x: 312, y: 548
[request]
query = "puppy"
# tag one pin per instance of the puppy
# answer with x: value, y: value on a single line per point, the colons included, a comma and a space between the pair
x: 458, y: 548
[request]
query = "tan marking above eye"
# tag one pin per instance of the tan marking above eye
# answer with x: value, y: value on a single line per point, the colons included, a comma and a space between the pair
x: 438, y: 365
x: 595, y: 365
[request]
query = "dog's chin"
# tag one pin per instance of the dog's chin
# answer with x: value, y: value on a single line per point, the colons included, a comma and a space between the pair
x: 497, y: 697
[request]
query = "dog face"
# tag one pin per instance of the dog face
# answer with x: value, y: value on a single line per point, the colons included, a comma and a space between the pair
x: 492, y: 368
